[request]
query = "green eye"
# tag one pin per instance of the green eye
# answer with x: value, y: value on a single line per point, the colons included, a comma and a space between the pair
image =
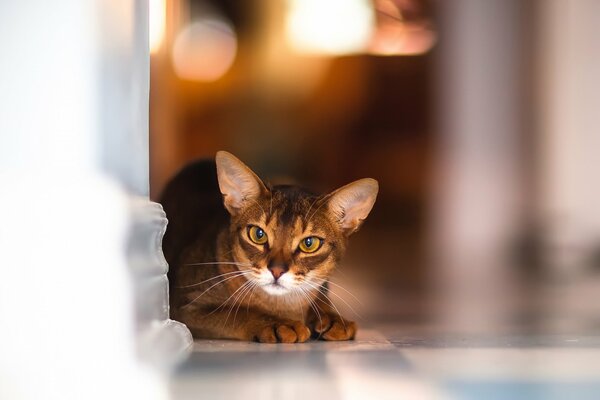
x: 310, y: 244
x: 257, y: 235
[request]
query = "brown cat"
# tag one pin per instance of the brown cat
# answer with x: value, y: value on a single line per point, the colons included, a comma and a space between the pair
x: 251, y: 262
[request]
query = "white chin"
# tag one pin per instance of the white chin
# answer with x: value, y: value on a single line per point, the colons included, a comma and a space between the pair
x: 275, y: 290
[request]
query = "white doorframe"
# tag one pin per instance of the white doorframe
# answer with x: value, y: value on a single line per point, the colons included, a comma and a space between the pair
x: 83, y: 286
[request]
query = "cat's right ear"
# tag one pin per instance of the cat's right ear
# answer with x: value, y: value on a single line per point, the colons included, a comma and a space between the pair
x: 238, y: 184
x: 352, y: 203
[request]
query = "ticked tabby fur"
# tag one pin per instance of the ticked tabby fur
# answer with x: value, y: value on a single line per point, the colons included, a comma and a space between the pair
x: 251, y: 262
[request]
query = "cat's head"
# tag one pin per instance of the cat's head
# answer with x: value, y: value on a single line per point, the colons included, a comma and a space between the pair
x: 290, y: 238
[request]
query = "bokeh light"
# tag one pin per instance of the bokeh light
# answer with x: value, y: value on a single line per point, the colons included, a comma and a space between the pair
x: 204, y: 50
x: 329, y: 27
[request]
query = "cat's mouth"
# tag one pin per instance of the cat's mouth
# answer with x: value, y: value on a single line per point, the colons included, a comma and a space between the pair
x: 275, y: 288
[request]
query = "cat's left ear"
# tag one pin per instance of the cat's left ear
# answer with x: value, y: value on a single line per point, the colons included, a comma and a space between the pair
x: 238, y: 184
x: 351, y: 204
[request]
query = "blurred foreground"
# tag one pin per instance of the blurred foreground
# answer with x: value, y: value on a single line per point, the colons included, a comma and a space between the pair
x: 398, y: 362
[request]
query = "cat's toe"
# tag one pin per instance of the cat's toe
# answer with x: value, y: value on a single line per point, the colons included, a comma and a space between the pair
x: 267, y: 335
x: 286, y: 334
x: 341, y: 330
x: 302, y: 332
x: 293, y: 332
x: 322, y: 324
x: 289, y: 332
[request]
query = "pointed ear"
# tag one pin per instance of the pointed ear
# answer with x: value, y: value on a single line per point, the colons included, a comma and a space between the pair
x: 238, y: 184
x: 352, y: 203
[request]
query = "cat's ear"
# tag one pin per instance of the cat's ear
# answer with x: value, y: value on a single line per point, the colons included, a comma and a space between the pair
x: 238, y: 184
x: 352, y: 203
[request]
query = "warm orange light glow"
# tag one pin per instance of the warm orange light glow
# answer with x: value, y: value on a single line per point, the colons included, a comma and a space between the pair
x: 157, y: 24
x: 204, y: 50
x: 397, y: 36
x: 399, y: 40
x: 329, y: 27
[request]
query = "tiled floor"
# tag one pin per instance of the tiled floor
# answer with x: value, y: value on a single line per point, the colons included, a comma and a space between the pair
x: 396, y: 362
x: 533, y: 342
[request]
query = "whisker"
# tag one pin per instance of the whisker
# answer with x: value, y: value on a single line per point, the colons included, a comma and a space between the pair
x: 241, y: 290
x: 338, y: 296
x: 218, y: 283
x: 347, y: 291
x: 228, y: 253
x: 225, y: 302
x: 321, y: 205
x: 249, y: 290
x: 240, y: 298
x: 341, y: 272
x: 299, y: 300
x: 328, y: 303
x: 331, y: 302
x: 250, y: 298
x: 312, y: 305
x: 310, y: 208
x: 211, y: 279
x: 346, y: 303
x: 316, y: 308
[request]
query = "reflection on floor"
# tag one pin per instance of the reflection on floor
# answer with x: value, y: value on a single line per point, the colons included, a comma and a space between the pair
x: 396, y: 362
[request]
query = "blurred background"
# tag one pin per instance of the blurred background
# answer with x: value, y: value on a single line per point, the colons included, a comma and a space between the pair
x: 477, y: 273
x: 478, y: 119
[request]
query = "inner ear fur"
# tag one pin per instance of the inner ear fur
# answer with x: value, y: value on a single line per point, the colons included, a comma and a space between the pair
x: 238, y: 184
x: 351, y: 204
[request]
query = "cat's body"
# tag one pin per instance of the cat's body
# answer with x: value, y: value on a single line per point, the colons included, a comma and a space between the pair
x: 262, y: 254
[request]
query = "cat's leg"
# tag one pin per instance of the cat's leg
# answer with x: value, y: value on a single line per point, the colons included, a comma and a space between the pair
x: 246, y: 325
x: 327, y: 324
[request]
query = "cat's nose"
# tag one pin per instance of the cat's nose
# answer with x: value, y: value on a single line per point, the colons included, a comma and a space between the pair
x: 278, y: 270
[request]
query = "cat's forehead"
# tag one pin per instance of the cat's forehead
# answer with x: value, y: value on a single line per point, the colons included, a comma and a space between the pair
x: 289, y: 208
x: 289, y: 204
x: 301, y: 212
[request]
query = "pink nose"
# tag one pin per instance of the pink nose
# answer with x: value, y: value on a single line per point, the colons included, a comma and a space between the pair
x: 277, y: 271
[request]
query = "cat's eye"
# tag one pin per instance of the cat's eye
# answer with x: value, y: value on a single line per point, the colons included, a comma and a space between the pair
x: 257, y: 235
x: 310, y: 244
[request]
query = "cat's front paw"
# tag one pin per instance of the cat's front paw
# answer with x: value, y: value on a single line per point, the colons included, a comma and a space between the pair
x: 283, y: 332
x: 334, y: 327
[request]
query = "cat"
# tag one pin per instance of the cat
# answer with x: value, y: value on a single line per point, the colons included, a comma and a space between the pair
x: 251, y: 262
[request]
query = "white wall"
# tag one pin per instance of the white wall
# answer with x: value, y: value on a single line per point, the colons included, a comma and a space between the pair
x: 74, y: 78
x: 73, y: 151
x: 477, y: 193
